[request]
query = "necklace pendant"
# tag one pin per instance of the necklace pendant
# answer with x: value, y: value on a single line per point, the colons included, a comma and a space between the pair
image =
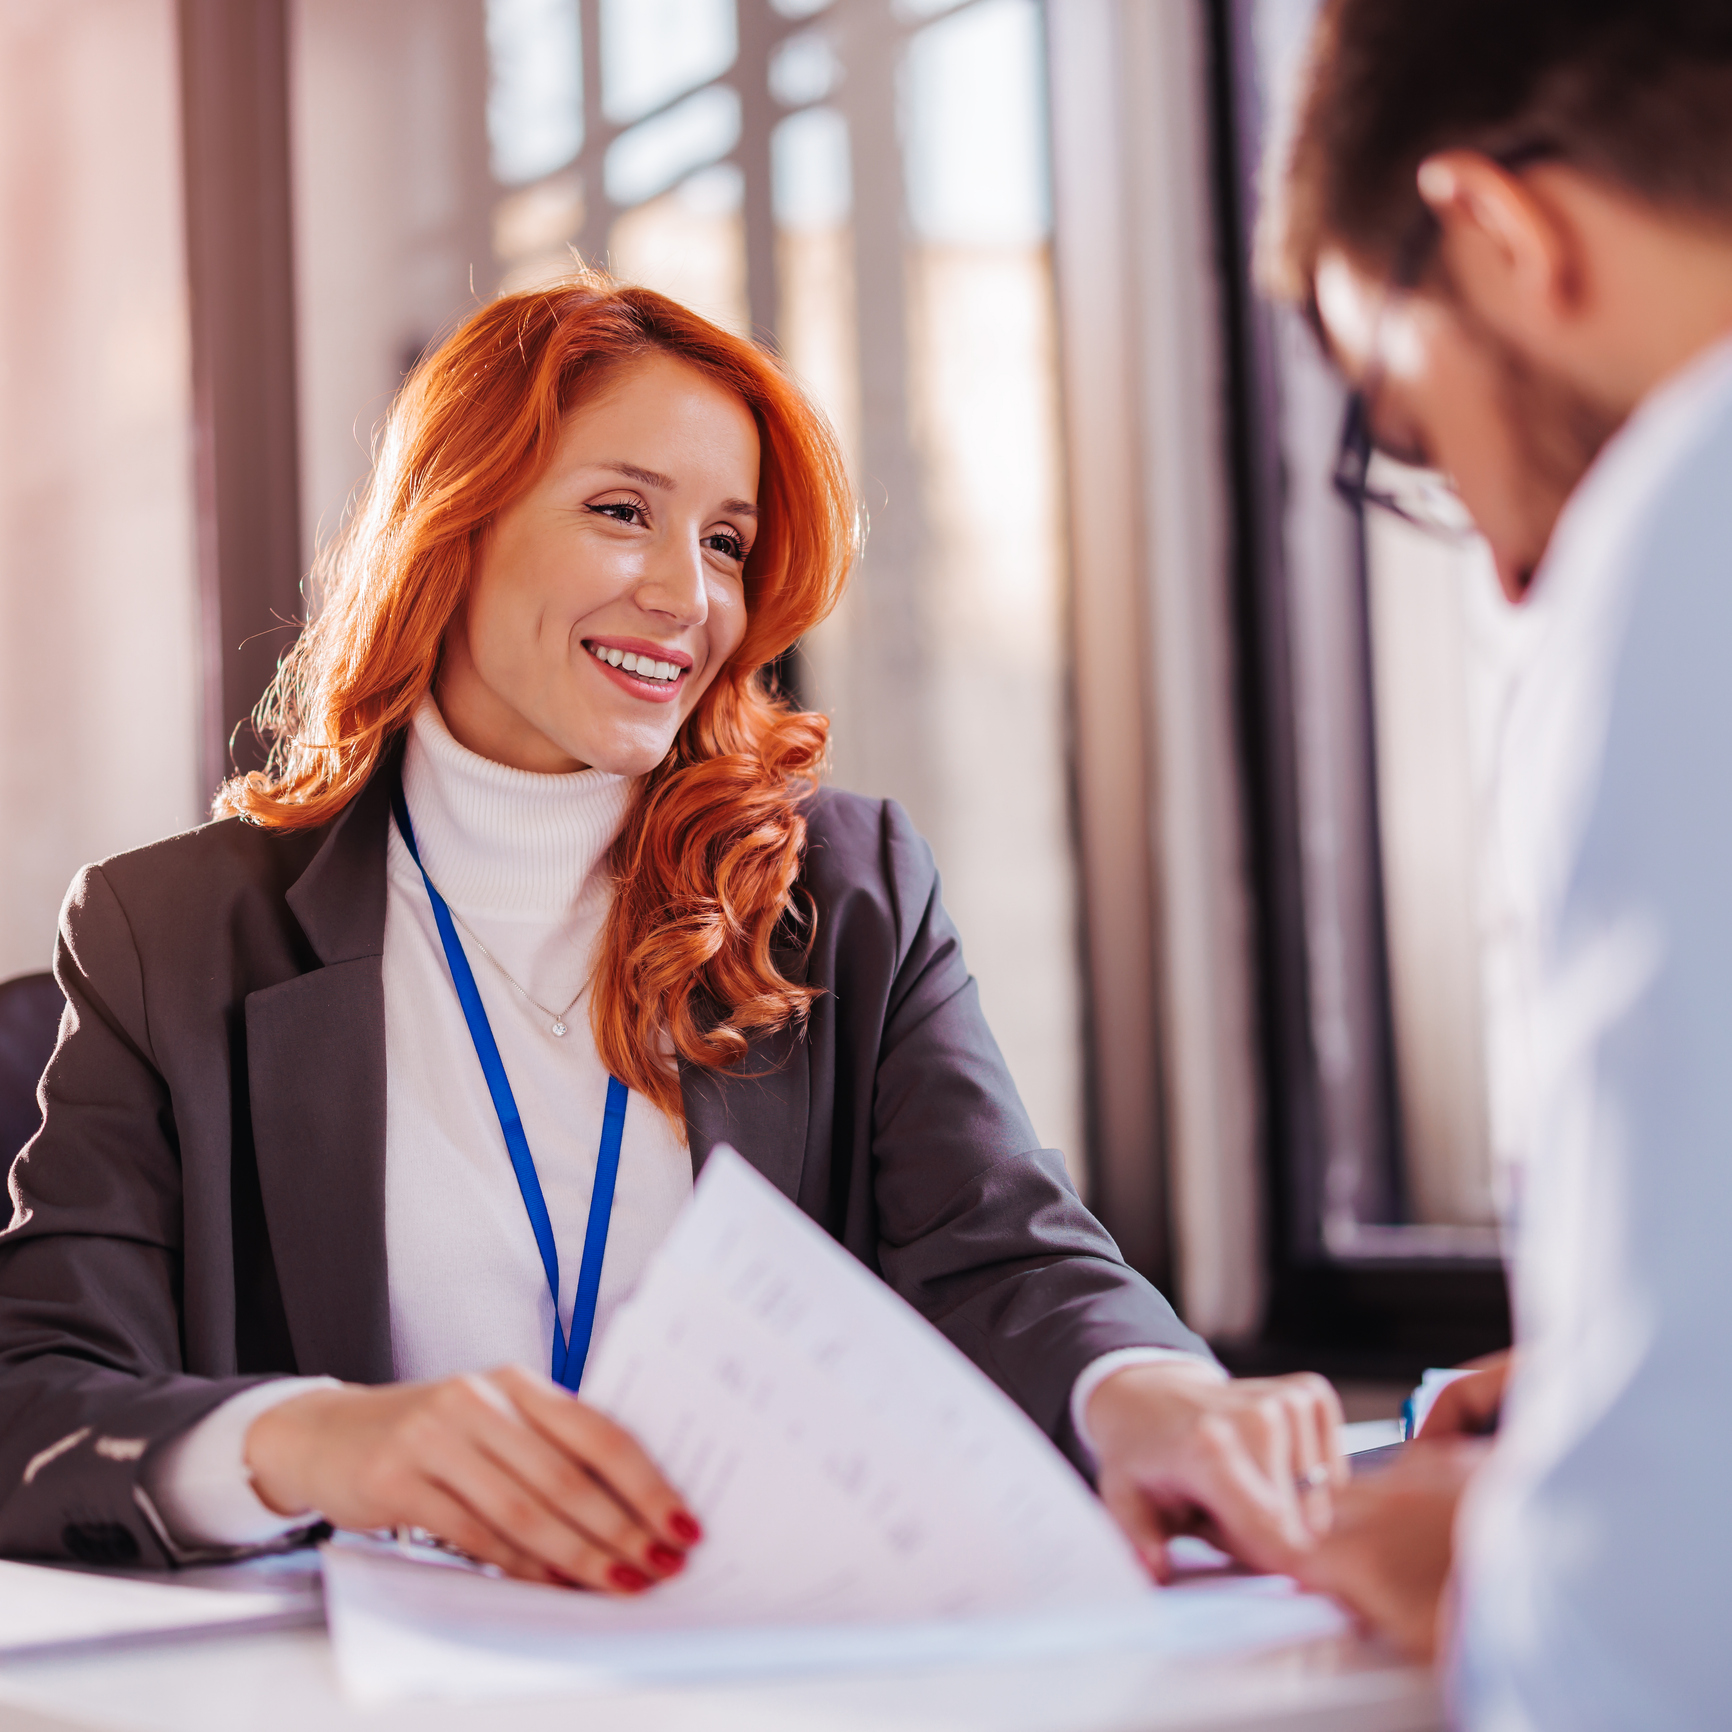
x: 559, y: 1025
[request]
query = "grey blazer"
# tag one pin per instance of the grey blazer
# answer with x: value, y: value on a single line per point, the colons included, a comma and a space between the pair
x: 204, y: 1205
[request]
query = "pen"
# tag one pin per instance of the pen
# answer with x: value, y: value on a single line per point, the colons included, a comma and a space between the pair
x: 1417, y: 1406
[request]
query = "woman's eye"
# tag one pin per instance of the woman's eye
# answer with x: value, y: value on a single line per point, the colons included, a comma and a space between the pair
x: 727, y: 544
x: 620, y: 510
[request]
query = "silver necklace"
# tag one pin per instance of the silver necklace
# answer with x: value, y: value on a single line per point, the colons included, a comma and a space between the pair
x: 556, y: 1017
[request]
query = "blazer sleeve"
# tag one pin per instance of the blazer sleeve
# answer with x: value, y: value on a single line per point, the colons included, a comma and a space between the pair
x: 92, y: 1378
x: 979, y: 1226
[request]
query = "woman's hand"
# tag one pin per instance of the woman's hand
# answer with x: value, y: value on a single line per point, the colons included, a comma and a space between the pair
x: 1469, y: 1406
x: 507, y: 1466
x: 1250, y: 1464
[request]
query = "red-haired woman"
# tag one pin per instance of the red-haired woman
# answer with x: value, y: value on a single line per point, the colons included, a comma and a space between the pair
x: 537, y: 900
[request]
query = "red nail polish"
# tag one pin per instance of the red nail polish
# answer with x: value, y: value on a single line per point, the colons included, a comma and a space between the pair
x: 628, y: 1579
x: 685, y: 1527
x: 666, y: 1559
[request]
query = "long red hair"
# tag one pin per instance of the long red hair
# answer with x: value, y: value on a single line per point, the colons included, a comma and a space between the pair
x: 706, y: 864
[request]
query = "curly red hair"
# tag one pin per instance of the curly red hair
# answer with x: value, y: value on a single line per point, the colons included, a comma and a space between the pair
x: 706, y: 864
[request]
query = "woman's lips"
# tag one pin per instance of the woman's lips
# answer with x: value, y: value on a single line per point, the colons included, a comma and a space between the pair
x: 653, y: 687
x: 651, y: 691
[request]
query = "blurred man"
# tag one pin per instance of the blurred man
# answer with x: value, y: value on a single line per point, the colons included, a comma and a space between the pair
x: 1512, y: 223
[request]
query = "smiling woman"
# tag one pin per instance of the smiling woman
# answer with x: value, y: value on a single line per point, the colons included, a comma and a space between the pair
x: 345, y: 1072
x: 579, y: 470
x: 599, y: 552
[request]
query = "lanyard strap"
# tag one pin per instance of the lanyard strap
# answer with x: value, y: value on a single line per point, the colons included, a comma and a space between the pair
x: 568, y: 1359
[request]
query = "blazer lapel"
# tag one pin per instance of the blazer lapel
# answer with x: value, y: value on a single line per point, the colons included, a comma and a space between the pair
x: 761, y: 1107
x: 316, y: 1073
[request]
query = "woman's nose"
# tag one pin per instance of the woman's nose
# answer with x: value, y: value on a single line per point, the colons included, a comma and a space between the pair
x: 674, y: 581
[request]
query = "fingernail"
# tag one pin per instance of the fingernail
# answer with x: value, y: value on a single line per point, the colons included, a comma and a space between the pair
x: 666, y: 1559
x: 685, y: 1527
x: 627, y: 1579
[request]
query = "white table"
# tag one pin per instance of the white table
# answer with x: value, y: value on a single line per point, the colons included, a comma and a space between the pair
x: 284, y: 1681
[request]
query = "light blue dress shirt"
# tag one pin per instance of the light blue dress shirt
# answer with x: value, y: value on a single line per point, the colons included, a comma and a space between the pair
x: 1595, y: 1572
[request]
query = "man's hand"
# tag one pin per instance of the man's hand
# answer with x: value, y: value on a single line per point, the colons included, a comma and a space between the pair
x: 1388, y: 1556
x: 508, y: 1466
x: 1250, y: 1464
x: 1469, y: 1406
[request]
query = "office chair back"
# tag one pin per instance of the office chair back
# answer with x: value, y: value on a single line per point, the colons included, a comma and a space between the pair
x: 30, y: 1007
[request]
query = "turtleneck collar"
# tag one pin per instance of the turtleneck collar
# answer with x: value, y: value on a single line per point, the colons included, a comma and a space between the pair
x: 503, y: 841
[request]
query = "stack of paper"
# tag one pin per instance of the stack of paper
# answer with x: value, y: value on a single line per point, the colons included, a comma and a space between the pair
x: 404, y: 1629
x: 45, y: 1607
x: 859, y: 1482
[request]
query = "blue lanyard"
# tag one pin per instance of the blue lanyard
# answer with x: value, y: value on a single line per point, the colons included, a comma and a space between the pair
x: 567, y: 1359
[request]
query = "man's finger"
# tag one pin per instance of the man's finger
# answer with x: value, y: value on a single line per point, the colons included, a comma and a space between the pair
x: 1468, y: 1407
x: 1388, y: 1559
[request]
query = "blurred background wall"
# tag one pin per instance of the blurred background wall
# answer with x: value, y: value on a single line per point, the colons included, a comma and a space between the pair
x: 1202, y: 757
x: 99, y: 666
x: 897, y: 172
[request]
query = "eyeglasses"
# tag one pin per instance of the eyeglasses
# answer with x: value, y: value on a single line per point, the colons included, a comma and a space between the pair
x: 1364, y: 476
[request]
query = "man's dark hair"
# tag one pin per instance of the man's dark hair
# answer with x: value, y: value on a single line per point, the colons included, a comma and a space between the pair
x: 1636, y: 92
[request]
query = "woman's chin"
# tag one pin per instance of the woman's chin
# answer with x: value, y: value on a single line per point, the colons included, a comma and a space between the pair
x: 634, y: 756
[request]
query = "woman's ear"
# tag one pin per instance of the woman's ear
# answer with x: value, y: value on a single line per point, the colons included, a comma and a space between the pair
x: 1510, y: 251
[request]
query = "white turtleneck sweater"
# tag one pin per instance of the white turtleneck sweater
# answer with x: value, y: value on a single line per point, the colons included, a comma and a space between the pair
x: 519, y: 859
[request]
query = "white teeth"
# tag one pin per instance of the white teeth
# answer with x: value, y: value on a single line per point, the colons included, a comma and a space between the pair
x: 645, y: 667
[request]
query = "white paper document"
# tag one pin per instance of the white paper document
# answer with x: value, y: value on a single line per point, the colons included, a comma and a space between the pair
x: 403, y: 1629
x: 862, y: 1486
x: 43, y: 1607
x: 845, y: 1460
x: 1361, y: 1436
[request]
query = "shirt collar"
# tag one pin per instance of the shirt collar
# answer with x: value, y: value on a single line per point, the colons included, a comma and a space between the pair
x: 502, y: 840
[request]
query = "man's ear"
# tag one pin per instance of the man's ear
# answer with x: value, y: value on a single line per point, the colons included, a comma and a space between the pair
x: 1508, y: 252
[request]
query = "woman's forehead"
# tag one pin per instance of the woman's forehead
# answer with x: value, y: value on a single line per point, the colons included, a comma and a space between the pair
x: 655, y: 406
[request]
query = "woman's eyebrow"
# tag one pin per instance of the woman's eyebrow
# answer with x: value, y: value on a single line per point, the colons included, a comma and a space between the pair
x: 667, y: 484
x: 646, y: 477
